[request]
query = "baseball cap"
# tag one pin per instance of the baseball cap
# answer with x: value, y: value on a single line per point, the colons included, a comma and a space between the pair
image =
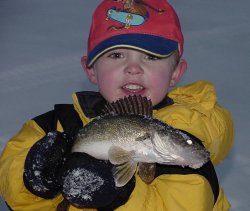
x: 151, y: 26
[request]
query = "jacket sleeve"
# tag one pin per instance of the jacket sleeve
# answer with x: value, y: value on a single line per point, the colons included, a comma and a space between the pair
x: 175, y: 192
x: 12, y: 160
x: 196, y: 111
x: 169, y: 192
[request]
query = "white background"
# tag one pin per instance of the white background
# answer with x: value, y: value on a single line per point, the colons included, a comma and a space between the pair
x: 41, y: 42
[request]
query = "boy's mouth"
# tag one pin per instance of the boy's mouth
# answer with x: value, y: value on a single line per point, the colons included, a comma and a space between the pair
x: 133, y: 88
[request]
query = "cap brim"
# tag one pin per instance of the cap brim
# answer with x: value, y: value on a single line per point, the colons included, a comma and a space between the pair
x: 150, y: 44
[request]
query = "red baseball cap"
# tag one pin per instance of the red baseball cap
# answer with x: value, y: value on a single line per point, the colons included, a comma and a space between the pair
x: 151, y: 26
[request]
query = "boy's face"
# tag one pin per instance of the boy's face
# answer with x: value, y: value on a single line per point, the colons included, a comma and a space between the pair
x: 122, y: 72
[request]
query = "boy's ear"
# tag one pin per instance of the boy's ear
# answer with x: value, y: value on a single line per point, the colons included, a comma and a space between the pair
x: 89, y: 71
x: 178, y: 72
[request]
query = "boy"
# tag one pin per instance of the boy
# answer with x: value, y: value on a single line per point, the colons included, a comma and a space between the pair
x: 134, y: 48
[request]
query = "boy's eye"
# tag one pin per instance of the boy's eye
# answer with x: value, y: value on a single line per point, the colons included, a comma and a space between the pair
x: 152, y: 57
x: 115, y: 55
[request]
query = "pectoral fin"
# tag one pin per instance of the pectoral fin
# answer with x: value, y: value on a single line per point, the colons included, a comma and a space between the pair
x: 147, y: 172
x: 124, y: 168
x: 123, y: 173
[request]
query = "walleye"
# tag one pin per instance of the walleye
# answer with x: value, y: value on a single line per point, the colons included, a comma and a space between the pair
x: 128, y: 136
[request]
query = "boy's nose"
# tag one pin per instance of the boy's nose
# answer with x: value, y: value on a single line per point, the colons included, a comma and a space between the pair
x: 133, y: 69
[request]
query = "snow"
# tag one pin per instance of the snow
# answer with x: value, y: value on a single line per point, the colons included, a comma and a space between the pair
x: 41, y: 43
x: 80, y: 185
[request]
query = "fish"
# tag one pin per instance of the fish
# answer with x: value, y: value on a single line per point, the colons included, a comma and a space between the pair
x: 130, y: 138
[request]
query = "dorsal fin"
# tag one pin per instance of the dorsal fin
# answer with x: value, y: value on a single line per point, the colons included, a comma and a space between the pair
x: 130, y: 105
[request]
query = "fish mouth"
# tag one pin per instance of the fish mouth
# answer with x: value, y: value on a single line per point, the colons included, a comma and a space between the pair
x: 133, y: 88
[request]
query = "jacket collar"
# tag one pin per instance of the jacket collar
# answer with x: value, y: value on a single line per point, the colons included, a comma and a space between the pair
x: 92, y: 103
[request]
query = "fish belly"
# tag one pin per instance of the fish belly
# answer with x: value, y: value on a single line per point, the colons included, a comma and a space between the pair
x: 99, y: 150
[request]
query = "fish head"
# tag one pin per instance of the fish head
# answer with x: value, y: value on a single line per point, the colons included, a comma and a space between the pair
x: 177, y: 148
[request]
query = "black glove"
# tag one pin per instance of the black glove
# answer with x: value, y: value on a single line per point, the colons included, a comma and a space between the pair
x: 50, y: 169
x: 88, y: 183
x: 43, y: 162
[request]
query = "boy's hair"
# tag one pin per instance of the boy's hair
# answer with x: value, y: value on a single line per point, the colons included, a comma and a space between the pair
x: 151, y: 26
x: 174, y: 59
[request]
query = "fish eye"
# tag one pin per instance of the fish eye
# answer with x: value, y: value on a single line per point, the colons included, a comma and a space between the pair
x: 189, y: 142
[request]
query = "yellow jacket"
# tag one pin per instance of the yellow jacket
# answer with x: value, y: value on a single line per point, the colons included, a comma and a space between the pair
x: 194, y: 110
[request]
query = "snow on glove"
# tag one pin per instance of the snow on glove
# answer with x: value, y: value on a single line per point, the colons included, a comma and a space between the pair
x: 43, y: 162
x: 88, y: 183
